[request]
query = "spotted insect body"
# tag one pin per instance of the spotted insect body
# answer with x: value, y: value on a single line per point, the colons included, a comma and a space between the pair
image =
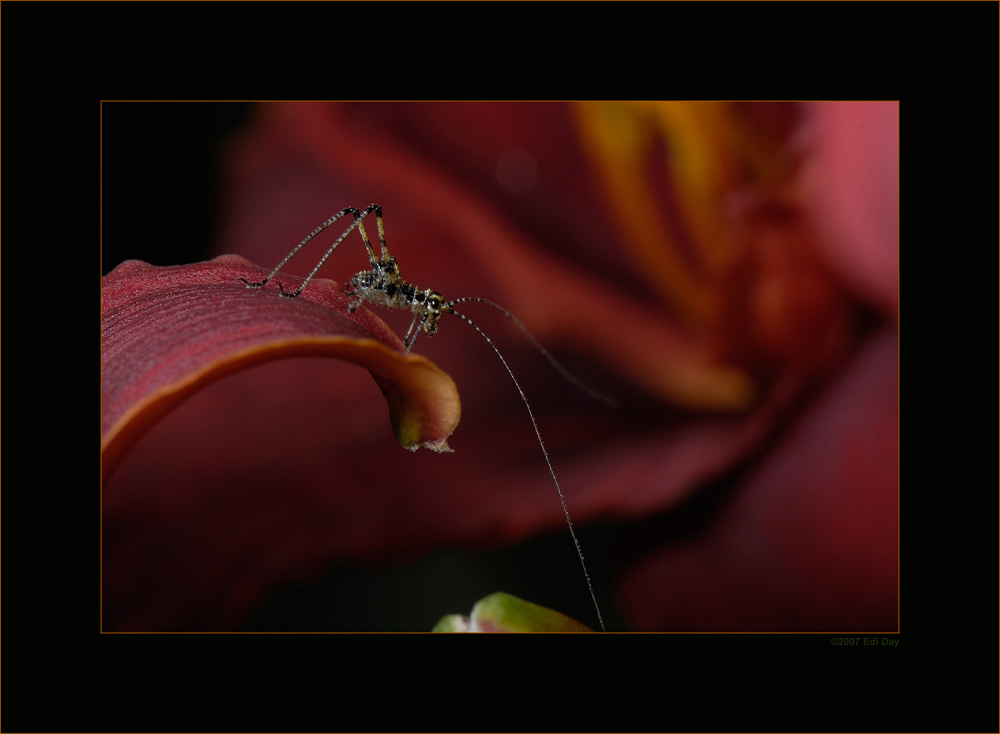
x: 384, y: 286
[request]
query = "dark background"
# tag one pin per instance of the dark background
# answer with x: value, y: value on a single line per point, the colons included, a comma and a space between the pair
x: 160, y: 177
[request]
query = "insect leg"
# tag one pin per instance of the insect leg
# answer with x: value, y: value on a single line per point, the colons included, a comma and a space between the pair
x: 290, y: 255
x: 381, y: 234
x: 407, y: 340
x: 358, y: 218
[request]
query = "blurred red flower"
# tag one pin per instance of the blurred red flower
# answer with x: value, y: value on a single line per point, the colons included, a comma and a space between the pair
x: 728, y: 271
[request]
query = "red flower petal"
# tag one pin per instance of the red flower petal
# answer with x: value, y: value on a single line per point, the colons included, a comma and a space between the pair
x: 808, y: 540
x: 469, y: 248
x: 167, y: 331
x: 852, y: 190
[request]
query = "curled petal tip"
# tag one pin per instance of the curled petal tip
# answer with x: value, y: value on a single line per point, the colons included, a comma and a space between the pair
x: 168, y: 331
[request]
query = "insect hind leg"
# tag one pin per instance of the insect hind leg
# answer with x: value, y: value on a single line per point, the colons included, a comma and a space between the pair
x: 359, y: 216
x: 358, y: 219
x: 295, y: 250
x: 384, y: 249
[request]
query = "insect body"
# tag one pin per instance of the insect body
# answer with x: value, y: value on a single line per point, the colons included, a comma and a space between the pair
x: 383, y: 284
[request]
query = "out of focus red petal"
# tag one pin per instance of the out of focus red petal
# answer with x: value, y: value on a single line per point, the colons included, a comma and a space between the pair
x: 560, y: 301
x: 851, y: 187
x: 167, y: 331
x: 808, y: 540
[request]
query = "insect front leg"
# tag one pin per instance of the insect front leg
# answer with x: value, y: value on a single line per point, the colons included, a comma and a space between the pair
x: 408, y: 341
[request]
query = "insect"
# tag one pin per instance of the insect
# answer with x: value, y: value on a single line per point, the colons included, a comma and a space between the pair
x: 384, y: 285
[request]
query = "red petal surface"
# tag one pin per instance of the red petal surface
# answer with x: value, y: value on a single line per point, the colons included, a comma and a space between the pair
x: 852, y: 189
x: 808, y: 540
x: 168, y: 331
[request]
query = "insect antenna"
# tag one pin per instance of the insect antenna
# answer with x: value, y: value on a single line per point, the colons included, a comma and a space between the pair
x: 449, y: 308
x: 384, y: 285
x: 569, y: 376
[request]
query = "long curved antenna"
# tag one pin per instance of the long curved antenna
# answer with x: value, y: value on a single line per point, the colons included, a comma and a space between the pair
x: 607, y: 399
x: 534, y: 423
